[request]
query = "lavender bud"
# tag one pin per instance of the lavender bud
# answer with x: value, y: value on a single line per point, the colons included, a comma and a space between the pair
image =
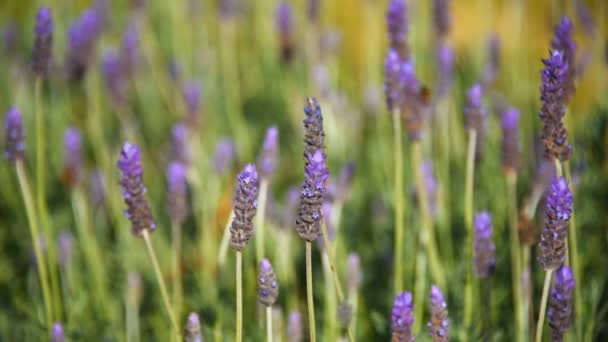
x: 244, y: 206
x: 284, y: 25
x: 224, y: 157
x: 445, y: 72
x: 438, y: 325
x: 353, y: 272
x: 133, y: 190
x: 129, y: 51
x: 441, y: 16
x: 267, y: 162
x: 553, y: 97
x: 485, y: 259
x: 66, y: 248
x: 41, y: 53
x: 193, y: 329
x: 72, y: 158
x: 268, y: 287
x: 563, y: 41
x: 397, y: 27
x: 558, y: 209
x: 192, y: 99
x: 402, y: 318
x: 114, y: 77
x: 559, y: 312
x: 314, y: 135
x: 295, y: 331
x: 82, y: 36
x: 510, y: 139
x: 310, y: 213
x: 57, y: 334
x: 476, y: 117
x: 176, y: 192
x: 15, y: 136
x: 179, y: 143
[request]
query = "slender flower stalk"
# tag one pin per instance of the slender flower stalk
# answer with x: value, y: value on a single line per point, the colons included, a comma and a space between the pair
x: 439, y: 324
x: 402, y: 318
x: 560, y: 304
x: 193, y: 329
x: 267, y: 164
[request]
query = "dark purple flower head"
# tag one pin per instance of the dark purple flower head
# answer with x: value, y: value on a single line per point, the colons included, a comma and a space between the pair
x: 397, y: 27
x: 129, y: 51
x: 553, y: 97
x: 43, y: 43
x: 485, y: 250
x: 268, y: 160
x: 225, y: 155
x: 15, y: 135
x: 176, y: 192
x: 476, y: 116
x: 314, y: 135
x: 295, y: 330
x: 133, y: 190
x: 441, y: 17
x: 66, y: 248
x: 72, y: 158
x: 439, y: 324
x: 284, y: 26
x: 193, y: 329
x: 179, y: 143
x: 57, y: 334
x: 82, y: 36
x: 114, y: 77
x: 268, y: 287
x: 445, y: 69
x: 245, y: 206
x: 310, y: 213
x: 353, y: 272
x: 559, y: 312
x: 192, y: 100
x: 563, y: 41
x: 402, y: 318
x: 510, y: 139
x: 558, y: 209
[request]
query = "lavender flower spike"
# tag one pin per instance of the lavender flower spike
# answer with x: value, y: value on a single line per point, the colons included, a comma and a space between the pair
x: 439, y: 323
x: 402, y: 318
x: 15, y: 136
x: 176, y: 192
x: 192, y: 100
x: 310, y: 213
x: 72, y: 165
x: 563, y: 41
x: 392, y: 80
x: 179, y: 143
x: 510, y: 140
x: 133, y: 190
x: 57, y: 334
x: 476, y: 116
x: 314, y: 134
x: 485, y: 259
x: 193, y: 329
x: 294, y: 327
x: 114, y: 77
x: 267, y: 162
x: 553, y: 97
x: 397, y: 27
x: 244, y: 206
x: 560, y: 304
x: 553, y: 235
x: 268, y: 287
x: 82, y: 36
x: 284, y: 26
x: 41, y: 53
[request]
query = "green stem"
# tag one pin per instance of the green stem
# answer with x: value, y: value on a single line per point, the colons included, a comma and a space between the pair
x: 515, y: 258
x: 419, y: 289
x: 309, y: 293
x: 398, y: 201
x: 177, y: 277
x: 259, y: 220
x: 269, y: 323
x: 575, y: 263
x: 161, y: 282
x: 543, y: 306
x: 221, y: 259
x: 468, y: 219
x: 239, y: 297
x: 330, y: 300
x: 33, y: 224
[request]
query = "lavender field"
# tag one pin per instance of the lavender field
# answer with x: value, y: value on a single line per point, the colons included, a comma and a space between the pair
x: 304, y: 170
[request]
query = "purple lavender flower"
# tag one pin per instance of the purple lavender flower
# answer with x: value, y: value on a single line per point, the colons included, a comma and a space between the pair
x: 268, y: 287
x: 244, y: 206
x: 57, y: 334
x: 129, y: 51
x: 72, y: 158
x: 439, y: 324
x: 43, y: 43
x: 559, y: 312
x: 553, y: 97
x: 193, y: 329
x: 179, y: 143
x: 445, y: 72
x: 66, y: 248
x: 485, y: 259
x: 267, y: 162
x: 176, y: 192
x: 392, y: 80
x: 441, y: 17
x: 192, y: 100
x: 133, y: 190
x: 310, y: 213
x: 558, y: 209
x: 295, y: 331
x: 476, y: 116
x: 224, y: 157
x: 82, y: 36
x: 15, y: 136
x: 114, y: 77
x: 314, y: 135
x: 510, y: 139
x: 563, y: 41
x: 397, y: 27
x: 353, y: 272
x: 284, y: 26
x: 402, y: 318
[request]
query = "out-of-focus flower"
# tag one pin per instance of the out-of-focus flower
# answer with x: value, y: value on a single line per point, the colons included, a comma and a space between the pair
x: 15, y: 135
x: 224, y: 157
x: 441, y: 17
x: 179, y: 143
x: 113, y: 76
x: 41, y: 54
x: 397, y: 27
x: 66, y: 248
x: 445, y: 72
x: 284, y: 25
x: 485, y: 250
x: 268, y: 159
x: 72, y: 158
x: 295, y: 330
x: 353, y: 272
x: 57, y: 334
x: 439, y: 324
x: 193, y: 329
x: 176, y: 192
x: 476, y: 117
x: 82, y: 37
x: 510, y: 139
